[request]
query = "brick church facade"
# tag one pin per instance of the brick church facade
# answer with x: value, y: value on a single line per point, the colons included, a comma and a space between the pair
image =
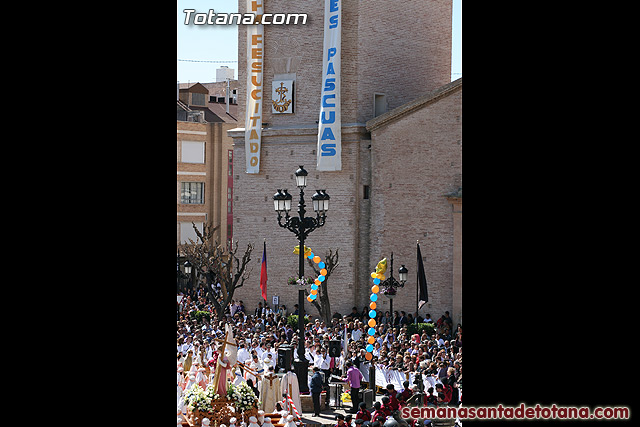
x: 401, y: 153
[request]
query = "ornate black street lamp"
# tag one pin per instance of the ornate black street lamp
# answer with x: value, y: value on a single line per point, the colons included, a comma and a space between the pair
x: 301, y: 226
x: 390, y: 286
x: 191, y: 274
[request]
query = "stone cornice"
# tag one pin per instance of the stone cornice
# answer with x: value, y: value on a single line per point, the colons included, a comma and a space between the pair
x: 409, y: 107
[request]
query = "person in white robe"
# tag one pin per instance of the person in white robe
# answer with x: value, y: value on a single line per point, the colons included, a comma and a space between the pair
x: 268, y: 352
x: 243, y: 354
x: 181, y: 384
x: 253, y: 422
x: 270, y: 392
x: 186, y: 346
x: 194, y: 367
x: 181, y: 380
x: 289, y: 385
x: 199, y: 353
x: 283, y: 417
x: 181, y: 417
x: 255, y: 366
x: 267, y: 422
x: 208, y: 351
x: 201, y: 378
x: 180, y: 359
x: 190, y: 383
x: 268, y: 362
x: 237, y: 376
x: 260, y: 351
x: 290, y: 422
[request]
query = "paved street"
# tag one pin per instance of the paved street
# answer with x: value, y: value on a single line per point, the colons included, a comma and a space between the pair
x: 328, y: 416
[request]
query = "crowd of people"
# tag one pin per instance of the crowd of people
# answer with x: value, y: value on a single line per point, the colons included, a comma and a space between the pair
x: 261, y: 331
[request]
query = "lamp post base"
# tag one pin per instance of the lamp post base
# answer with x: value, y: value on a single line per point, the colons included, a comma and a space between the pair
x: 301, y: 368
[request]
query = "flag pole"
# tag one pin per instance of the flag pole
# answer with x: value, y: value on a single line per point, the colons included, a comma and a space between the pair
x: 417, y: 285
x: 264, y: 245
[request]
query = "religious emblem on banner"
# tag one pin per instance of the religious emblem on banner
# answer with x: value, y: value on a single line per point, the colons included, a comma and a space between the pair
x: 282, y: 97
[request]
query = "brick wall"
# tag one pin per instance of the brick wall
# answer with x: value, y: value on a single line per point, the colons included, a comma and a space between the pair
x: 255, y: 218
x: 416, y: 160
x: 401, y: 51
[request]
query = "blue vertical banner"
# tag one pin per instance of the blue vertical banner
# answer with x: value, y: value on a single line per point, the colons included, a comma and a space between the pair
x: 255, y: 89
x: 330, y: 123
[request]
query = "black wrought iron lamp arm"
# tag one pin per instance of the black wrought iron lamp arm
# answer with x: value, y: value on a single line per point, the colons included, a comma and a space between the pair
x: 301, y: 225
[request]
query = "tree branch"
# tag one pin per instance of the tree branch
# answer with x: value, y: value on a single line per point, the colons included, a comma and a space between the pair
x: 208, y: 258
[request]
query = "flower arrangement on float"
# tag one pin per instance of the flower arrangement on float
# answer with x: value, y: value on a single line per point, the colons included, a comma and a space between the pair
x: 243, y: 397
x: 198, y: 399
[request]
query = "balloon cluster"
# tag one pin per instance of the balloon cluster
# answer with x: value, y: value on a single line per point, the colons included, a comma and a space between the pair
x: 323, y: 271
x: 377, y: 276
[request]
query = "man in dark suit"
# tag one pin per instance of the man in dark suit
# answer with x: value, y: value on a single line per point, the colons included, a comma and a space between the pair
x: 403, y: 319
x: 316, y: 388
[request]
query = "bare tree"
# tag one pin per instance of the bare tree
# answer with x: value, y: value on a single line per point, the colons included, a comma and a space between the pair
x: 324, y: 306
x: 218, y: 265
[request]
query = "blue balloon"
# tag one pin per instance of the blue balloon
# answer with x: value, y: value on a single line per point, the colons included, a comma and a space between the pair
x: 313, y: 296
x: 372, y: 314
x: 376, y: 281
x: 374, y: 297
x: 321, y: 265
x: 311, y: 255
x: 314, y: 287
x: 371, y: 331
x: 321, y: 278
x: 369, y: 348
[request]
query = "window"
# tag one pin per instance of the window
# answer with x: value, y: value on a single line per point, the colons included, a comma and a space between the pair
x: 193, y: 152
x: 379, y: 104
x: 365, y: 192
x: 192, y: 193
x: 197, y: 99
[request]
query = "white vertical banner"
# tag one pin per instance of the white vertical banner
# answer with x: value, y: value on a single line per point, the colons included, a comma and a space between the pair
x: 329, y: 125
x: 255, y: 86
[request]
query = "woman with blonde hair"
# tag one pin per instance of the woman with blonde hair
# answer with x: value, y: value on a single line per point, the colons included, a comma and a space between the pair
x: 188, y: 361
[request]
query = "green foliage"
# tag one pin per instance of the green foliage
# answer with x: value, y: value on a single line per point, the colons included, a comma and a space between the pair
x: 292, y: 320
x: 419, y: 328
x: 199, y: 315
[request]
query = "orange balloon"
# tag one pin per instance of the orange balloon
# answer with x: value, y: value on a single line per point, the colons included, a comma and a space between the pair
x: 372, y: 323
x: 323, y: 271
x: 314, y: 291
x: 316, y: 259
x: 372, y: 306
x: 309, y: 299
x: 317, y: 282
x: 375, y: 289
x: 368, y: 356
x: 371, y: 340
